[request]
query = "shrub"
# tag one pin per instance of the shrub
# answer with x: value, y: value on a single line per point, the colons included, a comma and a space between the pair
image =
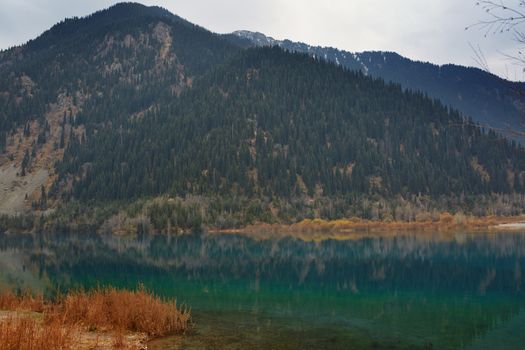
x: 55, y: 325
x: 135, y: 311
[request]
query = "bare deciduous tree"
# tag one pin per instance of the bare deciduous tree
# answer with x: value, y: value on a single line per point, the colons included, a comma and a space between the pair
x: 502, y: 17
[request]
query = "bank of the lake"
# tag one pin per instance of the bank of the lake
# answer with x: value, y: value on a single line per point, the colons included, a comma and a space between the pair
x: 164, y: 217
x: 355, y: 228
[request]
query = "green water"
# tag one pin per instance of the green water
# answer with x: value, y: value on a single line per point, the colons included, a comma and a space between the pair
x: 404, y: 292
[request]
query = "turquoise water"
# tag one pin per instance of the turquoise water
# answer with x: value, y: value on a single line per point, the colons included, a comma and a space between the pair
x: 402, y: 292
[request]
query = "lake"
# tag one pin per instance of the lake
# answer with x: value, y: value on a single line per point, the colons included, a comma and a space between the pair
x: 426, y: 291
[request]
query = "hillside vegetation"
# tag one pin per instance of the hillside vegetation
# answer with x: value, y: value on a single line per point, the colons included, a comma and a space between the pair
x: 145, y: 121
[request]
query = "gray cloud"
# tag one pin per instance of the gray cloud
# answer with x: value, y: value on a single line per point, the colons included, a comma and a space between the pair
x: 424, y: 30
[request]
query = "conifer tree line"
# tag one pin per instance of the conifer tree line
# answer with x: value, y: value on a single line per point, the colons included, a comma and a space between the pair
x: 270, y: 123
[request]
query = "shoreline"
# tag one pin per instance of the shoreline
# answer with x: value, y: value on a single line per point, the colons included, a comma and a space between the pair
x: 511, y: 226
x: 326, y: 229
x: 318, y: 229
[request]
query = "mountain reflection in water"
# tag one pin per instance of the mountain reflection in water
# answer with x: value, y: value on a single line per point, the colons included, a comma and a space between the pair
x: 404, y: 292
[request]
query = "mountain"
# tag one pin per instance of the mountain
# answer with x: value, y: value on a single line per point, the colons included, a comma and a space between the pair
x: 134, y: 116
x: 128, y: 46
x: 278, y: 124
x: 488, y: 99
x: 90, y: 73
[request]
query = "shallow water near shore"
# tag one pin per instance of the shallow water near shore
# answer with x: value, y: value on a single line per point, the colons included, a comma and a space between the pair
x: 400, y: 292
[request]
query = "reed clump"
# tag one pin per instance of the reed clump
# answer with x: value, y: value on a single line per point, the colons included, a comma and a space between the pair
x: 23, y: 302
x: 29, y: 333
x: 30, y: 322
x: 134, y: 311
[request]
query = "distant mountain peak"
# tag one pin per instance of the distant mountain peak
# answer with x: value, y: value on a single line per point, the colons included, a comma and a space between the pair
x: 123, y: 13
x: 257, y: 38
x: 135, y: 9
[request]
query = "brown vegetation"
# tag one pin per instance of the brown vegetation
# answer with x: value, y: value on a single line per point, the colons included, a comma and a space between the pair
x: 24, y: 302
x: 348, y: 228
x: 29, y: 333
x: 105, y: 318
x: 135, y: 311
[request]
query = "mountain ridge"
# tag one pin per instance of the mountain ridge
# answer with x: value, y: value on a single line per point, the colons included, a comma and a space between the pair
x: 489, y: 99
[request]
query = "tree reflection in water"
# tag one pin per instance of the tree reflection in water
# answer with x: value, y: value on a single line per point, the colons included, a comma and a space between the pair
x: 408, y: 289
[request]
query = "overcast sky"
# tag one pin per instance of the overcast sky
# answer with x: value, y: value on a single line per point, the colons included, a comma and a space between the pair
x: 427, y: 30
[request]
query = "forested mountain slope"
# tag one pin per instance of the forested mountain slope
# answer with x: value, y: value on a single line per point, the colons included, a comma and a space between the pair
x: 484, y: 97
x: 273, y: 123
x: 133, y: 103
x: 124, y: 57
x: 91, y: 72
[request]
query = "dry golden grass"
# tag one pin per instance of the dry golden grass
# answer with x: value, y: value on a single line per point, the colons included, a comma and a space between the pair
x: 63, y: 324
x: 23, y: 302
x: 28, y: 333
x: 134, y: 311
x: 119, y: 340
x: 349, y: 228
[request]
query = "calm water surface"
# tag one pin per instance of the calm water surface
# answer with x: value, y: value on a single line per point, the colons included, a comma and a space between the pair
x: 402, y: 292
